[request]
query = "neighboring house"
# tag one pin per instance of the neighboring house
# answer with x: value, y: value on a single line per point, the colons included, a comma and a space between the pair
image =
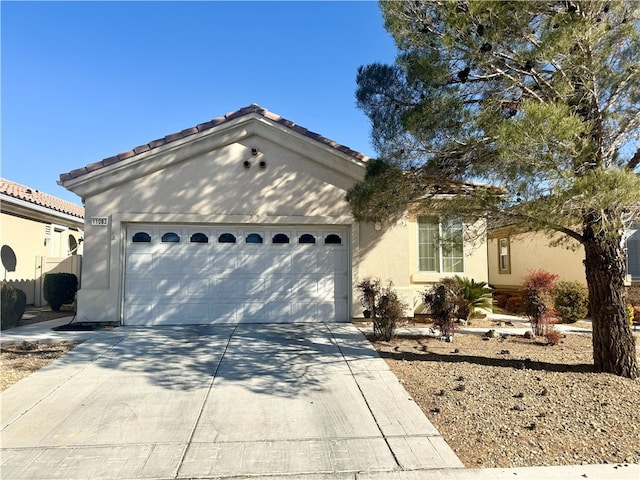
x: 244, y: 219
x: 39, y: 233
x: 512, y: 254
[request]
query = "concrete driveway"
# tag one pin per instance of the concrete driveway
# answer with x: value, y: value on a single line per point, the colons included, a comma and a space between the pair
x: 210, y: 402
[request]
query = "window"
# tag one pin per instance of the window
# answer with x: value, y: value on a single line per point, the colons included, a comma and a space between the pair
x: 141, y: 237
x: 170, y: 237
x: 504, y: 257
x: 440, y: 245
x: 227, y: 238
x: 199, y: 238
x: 73, y: 245
x: 280, y: 238
x: 253, y: 238
x: 333, y: 239
x: 307, y: 238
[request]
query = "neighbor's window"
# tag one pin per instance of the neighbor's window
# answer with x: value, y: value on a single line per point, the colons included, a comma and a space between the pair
x: 504, y: 257
x: 440, y: 245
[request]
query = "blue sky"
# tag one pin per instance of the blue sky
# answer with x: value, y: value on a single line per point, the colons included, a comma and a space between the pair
x: 82, y: 81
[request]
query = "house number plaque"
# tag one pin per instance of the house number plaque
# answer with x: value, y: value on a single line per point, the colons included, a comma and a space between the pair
x: 100, y: 221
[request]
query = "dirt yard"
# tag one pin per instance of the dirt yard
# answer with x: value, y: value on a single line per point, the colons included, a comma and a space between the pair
x: 517, y: 402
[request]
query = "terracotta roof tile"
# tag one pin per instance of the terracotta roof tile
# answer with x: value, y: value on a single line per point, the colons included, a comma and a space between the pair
x: 31, y: 195
x: 207, y: 126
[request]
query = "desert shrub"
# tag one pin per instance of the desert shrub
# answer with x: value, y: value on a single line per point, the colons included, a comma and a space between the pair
x: 571, y: 301
x: 368, y: 293
x: 630, y: 313
x: 538, y: 301
x: 501, y: 300
x: 388, y: 313
x: 60, y: 289
x: 472, y: 295
x: 385, y: 307
x: 515, y: 305
x: 14, y: 302
x: 444, y: 303
x: 552, y: 335
x: 633, y: 295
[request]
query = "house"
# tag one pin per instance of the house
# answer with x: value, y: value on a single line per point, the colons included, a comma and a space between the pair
x: 244, y: 219
x: 513, y: 253
x: 39, y: 233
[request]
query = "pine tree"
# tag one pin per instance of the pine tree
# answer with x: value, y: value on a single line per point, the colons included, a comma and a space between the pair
x: 539, y: 100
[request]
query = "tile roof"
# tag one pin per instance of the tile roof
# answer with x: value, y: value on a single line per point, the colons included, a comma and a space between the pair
x: 207, y: 126
x: 31, y: 195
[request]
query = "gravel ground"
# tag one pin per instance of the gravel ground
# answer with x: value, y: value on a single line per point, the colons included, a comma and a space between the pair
x: 19, y: 361
x: 515, y: 402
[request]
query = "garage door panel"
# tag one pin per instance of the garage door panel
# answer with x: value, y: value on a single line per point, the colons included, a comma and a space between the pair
x: 167, y: 286
x: 188, y: 282
x: 139, y: 262
x: 197, y: 287
x: 224, y: 312
x: 251, y: 264
x: 226, y: 285
x: 139, y: 286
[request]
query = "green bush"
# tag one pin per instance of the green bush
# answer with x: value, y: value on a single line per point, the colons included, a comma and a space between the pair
x: 570, y: 301
x: 473, y: 295
x: 14, y: 302
x: 60, y: 289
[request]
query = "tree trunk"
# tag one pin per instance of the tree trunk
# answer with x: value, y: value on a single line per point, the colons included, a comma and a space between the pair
x: 614, y: 349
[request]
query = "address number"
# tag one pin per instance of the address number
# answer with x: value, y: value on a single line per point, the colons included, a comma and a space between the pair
x: 100, y: 221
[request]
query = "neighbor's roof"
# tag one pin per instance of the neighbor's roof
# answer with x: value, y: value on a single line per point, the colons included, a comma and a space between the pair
x: 31, y: 195
x: 251, y: 109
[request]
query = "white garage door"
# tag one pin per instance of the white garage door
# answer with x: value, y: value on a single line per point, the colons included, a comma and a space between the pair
x: 186, y: 275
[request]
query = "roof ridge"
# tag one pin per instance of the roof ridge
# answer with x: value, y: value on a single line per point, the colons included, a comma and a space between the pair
x: 36, y: 197
x: 254, y: 108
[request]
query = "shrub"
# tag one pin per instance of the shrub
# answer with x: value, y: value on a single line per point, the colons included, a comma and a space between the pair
x: 368, y: 293
x: 501, y: 300
x: 444, y: 303
x: 571, y: 301
x: 633, y: 295
x: 60, y: 289
x: 538, y: 285
x: 630, y: 313
x: 385, y: 307
x: 14, y: 302
x: 515, y: 305
x: 552, y: 335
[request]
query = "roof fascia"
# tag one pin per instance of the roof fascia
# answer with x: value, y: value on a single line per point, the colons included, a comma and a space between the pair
x: 37, y: 212
x: 235, y: 130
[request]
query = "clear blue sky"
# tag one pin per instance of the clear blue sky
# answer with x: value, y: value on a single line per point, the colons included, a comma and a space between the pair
x: 82, y: 81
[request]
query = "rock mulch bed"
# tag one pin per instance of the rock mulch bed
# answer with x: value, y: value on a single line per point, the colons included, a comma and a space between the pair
x: 515, y: 402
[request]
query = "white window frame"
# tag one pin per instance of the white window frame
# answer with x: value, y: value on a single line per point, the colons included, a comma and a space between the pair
x: 440, y: 257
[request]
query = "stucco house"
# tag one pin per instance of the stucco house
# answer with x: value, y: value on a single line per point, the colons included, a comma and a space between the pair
x: 39, y: 233
x: 244, y: 219
x: 513, y: 253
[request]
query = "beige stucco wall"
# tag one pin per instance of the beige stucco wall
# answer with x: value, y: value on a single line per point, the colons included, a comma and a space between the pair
x: 533, y: 251
x: 212, y: 188
x: 391, y: 253
x: 26, y: 237
x: 202, y: 180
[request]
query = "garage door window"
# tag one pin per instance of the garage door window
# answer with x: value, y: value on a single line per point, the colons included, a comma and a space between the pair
x: 227, y: 238
x: 199, y: 238
x: 170, y: 237
x: 280, y: 238
x: 253, y: 238
x: 141, y: 237
x: 307, y: 238
x: 333, y: 239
